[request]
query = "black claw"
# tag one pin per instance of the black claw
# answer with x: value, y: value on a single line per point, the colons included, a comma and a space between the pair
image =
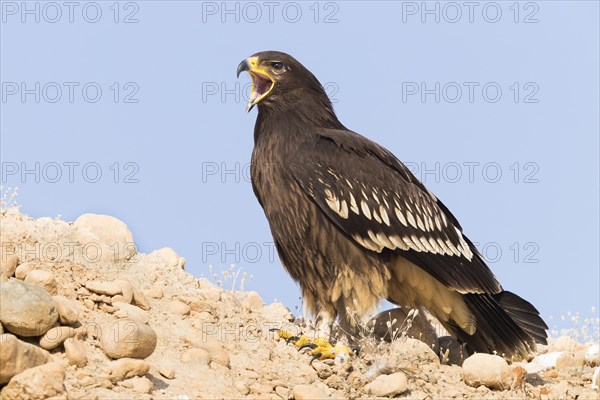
x: 356, y: 351
x: 292, y: 339
x: 310, y: 345
x: 315, y: 357
x: 274, y: 330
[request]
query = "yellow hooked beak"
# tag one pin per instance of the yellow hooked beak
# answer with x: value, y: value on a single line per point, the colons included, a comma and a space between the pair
x: 262, y: 83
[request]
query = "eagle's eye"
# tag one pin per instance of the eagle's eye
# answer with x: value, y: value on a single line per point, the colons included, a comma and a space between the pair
x: 277, y: 66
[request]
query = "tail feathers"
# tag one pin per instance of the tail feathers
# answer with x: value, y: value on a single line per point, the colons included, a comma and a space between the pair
x: 506, y: 324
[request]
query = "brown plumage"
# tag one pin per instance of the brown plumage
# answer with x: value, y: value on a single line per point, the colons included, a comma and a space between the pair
x: 353, y: 225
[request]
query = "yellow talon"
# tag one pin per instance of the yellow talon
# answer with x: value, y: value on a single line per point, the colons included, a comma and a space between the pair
x: 320, y: 347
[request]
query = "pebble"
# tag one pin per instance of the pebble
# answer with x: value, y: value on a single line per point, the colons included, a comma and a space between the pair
x: 308, y: 392
x: 8, y: 264
x: 276, y: 312
x: 486, y: 369
x: 44, y: 279
x: 195, y: 356
x: 23, y: 269
x: 129, y: 311
x: 106, y: 288
x: 75, y: 352
x: 155, y: 293
x: 179, y: 308
x: 569, y: 360
x: 126, y: 291
x: 26, y: 310
x: 104, y: 231
x: 126, y: 338
x: 388, y: 385
x: 16, y: 356
x: 68, y: 310
x: 167, y: 371
x: 140, y: 300
x: 41, y: 382
x: 126, y: 368
x: 142, y: 385
x: 56, y: 336
x: 253, y: 301
x: 214, y: 347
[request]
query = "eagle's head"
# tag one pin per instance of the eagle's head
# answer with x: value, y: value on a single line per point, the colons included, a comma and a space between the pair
x: 280, y: 81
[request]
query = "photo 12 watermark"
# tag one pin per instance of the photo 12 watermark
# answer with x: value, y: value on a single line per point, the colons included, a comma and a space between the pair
x: 253, y: 12
x: 237, y: 92
x: 69, y: 12
x: 69, y: 92
x: 470, y: 12
x: 57, y: 172
x: 489, y: 92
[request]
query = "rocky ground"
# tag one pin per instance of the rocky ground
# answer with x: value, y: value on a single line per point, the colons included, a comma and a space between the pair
x: 84, y: 316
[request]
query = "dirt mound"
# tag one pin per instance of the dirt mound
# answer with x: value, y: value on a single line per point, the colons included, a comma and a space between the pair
x: 84, y: 316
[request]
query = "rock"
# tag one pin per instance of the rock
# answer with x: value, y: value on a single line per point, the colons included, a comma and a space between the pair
x: 211, y: 294
x: 75, y: 352
x: 126, y: 368
x: 44, y: 279
x: 140, y: 300
x: 563, y: 343
x: 196, y: 356
x: 282, y: 391
x: 308, y: 392
x: 56, y: 336
x: 166, y: 255
x: 8, y: 264
x: 26, y: 310
x: 16, y: 356
x: 128, y: 311
x: 542, y: 362
x: 23, y: 269
x: 213, y: 346
x: 569, y: 360
x: 37, y: 383
x: 142, y: 385
x: 126, y: 338
x: 388, y: 385
x: 486, y: 369
x: 592, y: 355
x: 253, y: 301
x: 276, y: 312
x: 179, y: 308
x: 167, y: 371
x: 106, y: 288
x: 101, y: 232
x: 409, y: 349
x: 126, y: 290
x: 68, y: 310
x: 155, y: 293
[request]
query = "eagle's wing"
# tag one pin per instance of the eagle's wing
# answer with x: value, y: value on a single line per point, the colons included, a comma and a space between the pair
x: 377, y: 202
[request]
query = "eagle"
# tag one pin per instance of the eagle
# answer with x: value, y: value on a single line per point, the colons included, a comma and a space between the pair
x: 353, y: 226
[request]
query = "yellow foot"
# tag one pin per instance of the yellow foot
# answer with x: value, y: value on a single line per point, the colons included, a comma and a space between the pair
x: 321, y: 348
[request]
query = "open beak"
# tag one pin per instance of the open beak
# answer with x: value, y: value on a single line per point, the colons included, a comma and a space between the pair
x: 262, y: 83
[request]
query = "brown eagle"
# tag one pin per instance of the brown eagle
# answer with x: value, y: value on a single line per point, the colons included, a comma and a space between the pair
x: 354, y: 226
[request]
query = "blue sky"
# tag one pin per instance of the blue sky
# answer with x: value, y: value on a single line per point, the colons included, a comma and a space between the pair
x: 133, y: 109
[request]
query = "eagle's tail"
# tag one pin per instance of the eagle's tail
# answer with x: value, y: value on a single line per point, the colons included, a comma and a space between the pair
x: 506, y: 324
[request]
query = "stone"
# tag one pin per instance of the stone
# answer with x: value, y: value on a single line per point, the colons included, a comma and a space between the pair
x: 126, y: 338
x: 542, y: 362
x: 129, y: 311
x: 308, y: 392
x: 409, y: 349
x: 126, y: 290
x: 489, y: 370
x: 8, y: 264
x: 570, y: 359
x: 23, y: 269
x: 106, y: 288
x: 44, y: 279
x: 37, y: 383
x: 563, y: 343
x: 56, y: 336
x: 167, y: 371
x: 126, y: 368
x: 253, y: 301
x: 179, y: 308
x: 155, y: 293
x: 592, y: 355
x: 276, y: 312
x: 68, y: 310
x: 75, y: 352
x: 142, y: 385
x: 102, y: 232
x: 212, y: 345
x: 196, y: 356
x: 26, y: 310
x: 388, y: 385
x: 140, y: 300
x: 16, y: 356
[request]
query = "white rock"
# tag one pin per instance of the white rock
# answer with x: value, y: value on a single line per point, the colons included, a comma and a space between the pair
x: 543, y: 362
x: 44, y: 279
x: 126, y: 290
x: 23, y: 269
x: 26, y: 310
x: 563, y: 343
x: 106, y: 288
x: 126, y: 368
x: 167, y: 371
x: 276, y: 312
x: 8, y: 264
x: 488, y: 370
x: 41, y: 382
x: 140, y: 300
x: 592, y: 355
x: 308, y: 392
x: 253, y: 301
x: 75, y: 352
x: 68, y: 310
x: 179, y: 308
x: 129, y: 311
x: 56, y: 336
x: 212, y: 345
x: 17, y: 356
x: 126, y: 338
x: 195, y: 356
x: 388, y: 385
x: 102, y: 232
